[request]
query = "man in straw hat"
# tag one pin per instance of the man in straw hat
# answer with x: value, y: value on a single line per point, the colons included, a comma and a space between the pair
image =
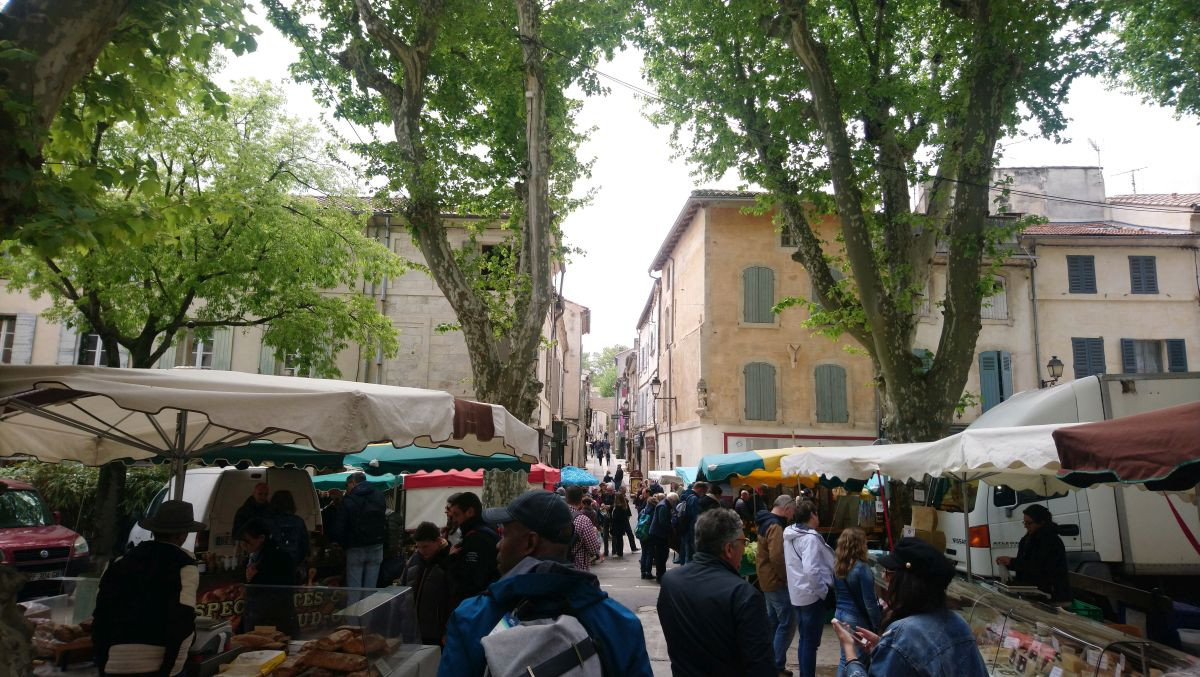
x: 145, y: 613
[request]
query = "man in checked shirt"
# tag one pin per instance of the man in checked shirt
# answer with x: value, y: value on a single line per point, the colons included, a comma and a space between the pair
x: 587, y: 539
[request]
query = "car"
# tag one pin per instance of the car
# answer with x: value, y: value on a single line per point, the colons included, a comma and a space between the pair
x: 31, y: 538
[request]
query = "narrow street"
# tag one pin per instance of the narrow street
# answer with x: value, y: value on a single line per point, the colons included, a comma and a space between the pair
x: 619, y: 576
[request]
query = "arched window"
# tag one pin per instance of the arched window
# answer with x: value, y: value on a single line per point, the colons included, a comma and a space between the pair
x: 758, y: 295
x: 760, y: 391
x: 831, y: 394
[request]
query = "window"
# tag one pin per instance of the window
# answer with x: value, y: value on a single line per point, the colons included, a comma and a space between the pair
x: 758, y: 295
x: 8, y: 334
x: 995, y: 377
x: 1088, y: 356
x: 995, y: 307
x: 1139, y: 356
x: 831, y: 394
x: 290, y: 366
x: 194, y: 351
x: 760, y: 391
x: 926, y: 356
x: 1143, y: 275
x: 1081, y: 274
x: 91, y: 351
x: 786, y: 239
x: 492, y: 267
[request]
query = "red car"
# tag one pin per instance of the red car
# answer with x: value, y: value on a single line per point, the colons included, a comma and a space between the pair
x: 32, y: 540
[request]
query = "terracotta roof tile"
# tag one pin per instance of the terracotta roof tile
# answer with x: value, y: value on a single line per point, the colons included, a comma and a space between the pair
x: 1102, y: 229
x: 1185, y: 200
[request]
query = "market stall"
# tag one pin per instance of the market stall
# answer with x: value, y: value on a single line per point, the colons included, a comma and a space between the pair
x: 578, y: 476
x: 386, y: 458
x: 1158, y: 449
x: 542, y: 476
x: 426, y: 493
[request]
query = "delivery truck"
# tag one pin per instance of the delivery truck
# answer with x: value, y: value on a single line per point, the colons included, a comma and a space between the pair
x: 1122, y: 533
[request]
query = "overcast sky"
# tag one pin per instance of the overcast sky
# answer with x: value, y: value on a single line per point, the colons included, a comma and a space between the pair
x: 641, y: 186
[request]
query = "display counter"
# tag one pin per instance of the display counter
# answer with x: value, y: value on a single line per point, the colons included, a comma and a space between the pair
x: 1032, y: 639
x: 316, y: 630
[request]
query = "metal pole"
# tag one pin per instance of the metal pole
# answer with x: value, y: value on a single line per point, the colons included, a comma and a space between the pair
x: 178, y: 454
x: 967, y: 523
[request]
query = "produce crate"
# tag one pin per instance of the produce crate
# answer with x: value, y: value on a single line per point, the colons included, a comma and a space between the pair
x: 1082, y: 608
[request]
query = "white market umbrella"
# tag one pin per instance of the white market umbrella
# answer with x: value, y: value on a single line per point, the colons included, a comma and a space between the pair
x: 94, y: 415
x: 1022, y: 457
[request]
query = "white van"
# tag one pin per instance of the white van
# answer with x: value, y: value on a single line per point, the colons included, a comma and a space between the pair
x: 217, y: 493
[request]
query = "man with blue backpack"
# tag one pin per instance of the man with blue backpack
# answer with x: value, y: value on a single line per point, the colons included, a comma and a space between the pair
x: 543, y: 617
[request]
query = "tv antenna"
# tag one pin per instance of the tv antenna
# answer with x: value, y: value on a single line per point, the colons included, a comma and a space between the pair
x: 1096, y: 147
x: 1132, y: 177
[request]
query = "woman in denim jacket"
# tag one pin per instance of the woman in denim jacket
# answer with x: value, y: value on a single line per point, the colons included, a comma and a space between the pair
x: 857, y: 603
x: 921, y: 637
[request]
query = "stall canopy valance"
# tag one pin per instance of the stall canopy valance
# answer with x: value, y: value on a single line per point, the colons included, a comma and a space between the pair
x: 387, y: 458
x: 1160, y: 449
x: 337, y: 480
x: 572, y: 475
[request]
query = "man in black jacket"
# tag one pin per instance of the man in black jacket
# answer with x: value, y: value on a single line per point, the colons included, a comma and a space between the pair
x: 362, y: 529
x: 715, y: 623
x: 473, y: 561
x: 145, y: 616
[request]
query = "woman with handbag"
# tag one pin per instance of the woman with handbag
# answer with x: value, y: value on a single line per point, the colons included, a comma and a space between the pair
x: 809, y: 561
x: 857, y: 604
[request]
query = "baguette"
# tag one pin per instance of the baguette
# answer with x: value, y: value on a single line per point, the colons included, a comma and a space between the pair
x: 368, y: 645
x: 338, y: 662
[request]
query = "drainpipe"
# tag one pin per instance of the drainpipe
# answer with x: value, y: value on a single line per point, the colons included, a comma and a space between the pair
x: 365, y: 365
x: 387, y: 242
x: 1037, y: 342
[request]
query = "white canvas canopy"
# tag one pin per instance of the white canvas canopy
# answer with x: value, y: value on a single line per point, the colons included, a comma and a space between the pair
x: 94, y: 415
x: 1022, y: 457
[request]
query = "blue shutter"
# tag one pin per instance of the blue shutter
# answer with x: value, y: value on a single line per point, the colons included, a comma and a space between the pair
x: 1081, y: 274
x: 831, y: 394
x: 1079, y: 356
x: 1176, y: 355
x: 1128, y: 356
x: 1006, y: 383
x: 926, y: 356
x: 758, y: 295
x: 1095, y: 358
x: 1088, y: 356
x: 760, y: 391
x: 989, y: 379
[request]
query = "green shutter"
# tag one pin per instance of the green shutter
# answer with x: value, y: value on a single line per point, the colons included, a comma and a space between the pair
x: 1081, y: 274
x: 831, y: 394
x: 1006, y: 383
x: 758, y: 295
x: 1176, y: 355
x: 926, y: 356
x: 760, y: 391
x: 989, y: 379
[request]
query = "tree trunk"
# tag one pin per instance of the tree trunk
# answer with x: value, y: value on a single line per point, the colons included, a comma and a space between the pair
x: 65, y: 38
x: 110, y: 492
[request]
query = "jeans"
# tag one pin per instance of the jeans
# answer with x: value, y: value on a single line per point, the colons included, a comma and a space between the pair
x: 647, y: 559
x: 362, y: 568
x: 782, y: 621
x: 810, y: 620
x: 853, y: 621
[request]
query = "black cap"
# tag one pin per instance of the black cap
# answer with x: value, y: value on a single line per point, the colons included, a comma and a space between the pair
x: 540, y: 511
x: 917, y: 556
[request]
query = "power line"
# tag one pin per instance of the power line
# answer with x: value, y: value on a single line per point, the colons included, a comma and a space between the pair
x: 991, y: 187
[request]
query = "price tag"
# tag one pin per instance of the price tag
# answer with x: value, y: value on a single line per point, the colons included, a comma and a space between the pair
x: 1057, y: 671
x: 1012, y: 642
x: 1093, y: 657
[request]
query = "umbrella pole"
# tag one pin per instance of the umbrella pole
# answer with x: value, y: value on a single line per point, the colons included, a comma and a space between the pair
x: 967, y: 525
x: 179, y: 457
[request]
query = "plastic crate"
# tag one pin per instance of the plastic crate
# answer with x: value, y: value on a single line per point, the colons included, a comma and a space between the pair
x: 1082, y: 608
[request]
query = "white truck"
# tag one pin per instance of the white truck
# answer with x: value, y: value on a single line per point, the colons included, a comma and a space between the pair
x: 1123, y: 532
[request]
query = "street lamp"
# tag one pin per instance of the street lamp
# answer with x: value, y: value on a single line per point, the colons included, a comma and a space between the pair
x: 655, y: 388
x: 1055, y: 369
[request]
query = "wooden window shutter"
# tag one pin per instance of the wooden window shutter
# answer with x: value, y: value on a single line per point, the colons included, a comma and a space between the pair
x: 1176, y: 355
x: 989, y: 379
x: 758, y: 295
x: 1143, y: 275
x: 1128, y: 356
x: 760, y: 391
x: 222, y: 339
x: 1088, y: 354
x: 1006, y: 381
x: 831, y: 394
x: 68, y: 346
x: 1081, y: 274
x: 995, y: 307
x: 23, y: 331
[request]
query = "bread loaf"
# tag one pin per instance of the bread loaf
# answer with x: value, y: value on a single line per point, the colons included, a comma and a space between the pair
x: 338, y: 662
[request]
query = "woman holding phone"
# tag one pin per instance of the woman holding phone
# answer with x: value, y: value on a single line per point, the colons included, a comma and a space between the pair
x: 921, y: 637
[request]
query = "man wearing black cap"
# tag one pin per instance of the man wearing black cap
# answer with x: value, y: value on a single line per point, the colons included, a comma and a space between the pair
x: 145, y: 613
x: 538, y: 582
x: 921, y: 636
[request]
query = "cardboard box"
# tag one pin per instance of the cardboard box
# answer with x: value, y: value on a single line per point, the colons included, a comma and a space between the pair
x: 924, y: 518
x: 935, y: 538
